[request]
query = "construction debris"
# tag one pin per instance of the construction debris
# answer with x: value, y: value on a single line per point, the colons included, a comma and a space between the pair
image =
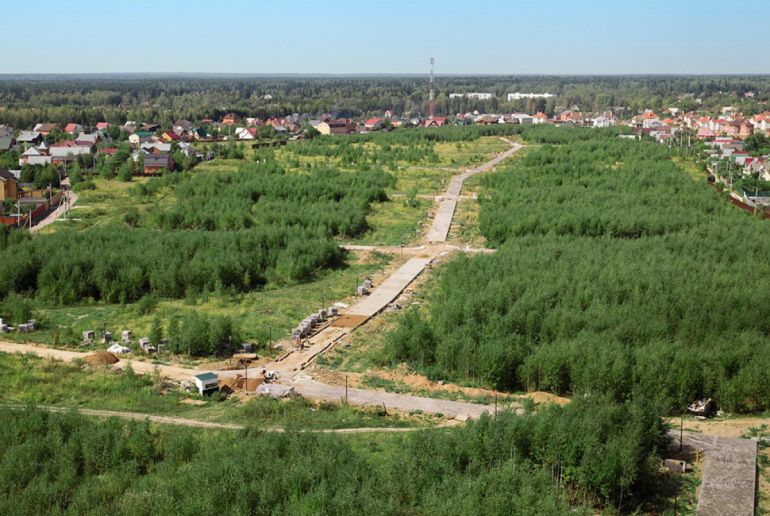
x: 704, y: 407
x: 275, y: 390
x: 118, y: 349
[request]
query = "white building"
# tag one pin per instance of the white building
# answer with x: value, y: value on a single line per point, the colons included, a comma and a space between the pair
x: 475, y: 95
x: 523, y: 118
x: 518, y: 96
x: 206, y: 382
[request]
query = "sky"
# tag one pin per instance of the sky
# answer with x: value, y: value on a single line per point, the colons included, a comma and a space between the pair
x: 386, y: 36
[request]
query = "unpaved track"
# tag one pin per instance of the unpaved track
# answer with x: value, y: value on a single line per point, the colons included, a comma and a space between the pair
x: 459, y: 410
x: 197, y: 423
x: 61, y: 210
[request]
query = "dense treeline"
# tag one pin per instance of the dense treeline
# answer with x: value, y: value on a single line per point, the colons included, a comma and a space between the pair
x: 236, y: 231
x: 550, y: 462
x: 323, y: 202
x: 616, y: 273
x: 89, y: 100
x: 116, y: 264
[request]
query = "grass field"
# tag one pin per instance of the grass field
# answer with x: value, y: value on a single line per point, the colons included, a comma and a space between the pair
x: 26, y: 379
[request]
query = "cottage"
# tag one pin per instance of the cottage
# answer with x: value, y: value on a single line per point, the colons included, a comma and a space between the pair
x: 10, y: 186
x: 140, y: 137
x: 44, y: 129
x: 231, y: 119
x: 436, y: 121
x: 102, y: 126
x: 5, y: 143
x: 374, y: 123
x: 30, y: 137
x: 73, y: 128
x: 157, y: 163
x: 335, y: 127
x: 35, y: 156
x: 207, y: 383
x: 87, y: 140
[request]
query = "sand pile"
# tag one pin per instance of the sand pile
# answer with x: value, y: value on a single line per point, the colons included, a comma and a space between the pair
x: 101, y: 358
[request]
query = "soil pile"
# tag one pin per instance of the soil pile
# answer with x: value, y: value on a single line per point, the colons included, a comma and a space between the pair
x: 101, y: 358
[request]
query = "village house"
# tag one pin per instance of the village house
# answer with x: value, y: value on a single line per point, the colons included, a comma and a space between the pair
x: 10, y: 186
x: 30, y: 138
x: 73, y: 128
x: 102, y: 126
x: 341, y: 126
x: 6, y: 142
x: 67, y: 151
x: 522, y: 118
x: 88, y: 140
x: 539, y: 118
x: 374, y: 123
x: 436, y: 121
x: 231, y: 119
x: 140, y: 137
x: 156, y: 163
x: 35, y: 156
x: 44, y: 129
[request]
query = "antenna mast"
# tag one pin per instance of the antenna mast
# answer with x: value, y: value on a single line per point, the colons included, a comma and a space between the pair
x: 432, y: 89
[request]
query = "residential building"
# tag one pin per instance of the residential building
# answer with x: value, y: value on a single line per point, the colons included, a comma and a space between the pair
x: 474, y: 95
x: 44, y: 129
x: 340, y: 126
x: 73, y: 128
x: 156, y: 163
x: 230, y: 119
x: 518, y: 96
x: 87, y: 140
x: 10, y: 186
x: 436, y: 121
x: 30, y: 137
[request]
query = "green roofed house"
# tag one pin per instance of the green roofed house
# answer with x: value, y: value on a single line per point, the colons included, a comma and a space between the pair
x: 207, y: 383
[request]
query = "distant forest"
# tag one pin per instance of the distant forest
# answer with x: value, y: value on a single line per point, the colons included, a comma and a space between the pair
x: 26, y: 100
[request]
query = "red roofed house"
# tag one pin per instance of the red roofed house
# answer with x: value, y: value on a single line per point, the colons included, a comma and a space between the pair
x: 539, y: 118
x: 704, y: 133
x: 170, y: 136
x: 102, y: 125
x: 373, y: 123
x: 436, y: 121
x: 73, y: 128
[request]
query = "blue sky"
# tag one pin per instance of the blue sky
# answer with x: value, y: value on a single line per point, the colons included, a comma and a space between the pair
x: 389, y: 36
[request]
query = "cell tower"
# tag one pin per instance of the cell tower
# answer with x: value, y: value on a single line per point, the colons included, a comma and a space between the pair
x: 432, y: 89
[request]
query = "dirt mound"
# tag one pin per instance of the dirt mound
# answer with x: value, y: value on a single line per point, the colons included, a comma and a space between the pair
x: 101, y: 358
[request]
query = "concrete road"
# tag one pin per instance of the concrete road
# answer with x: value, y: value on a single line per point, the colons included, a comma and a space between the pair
x: 443, y: 219
x: 729, y: 477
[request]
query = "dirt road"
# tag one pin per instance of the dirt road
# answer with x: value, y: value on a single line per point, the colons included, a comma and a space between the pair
x: 172, y: 372
x: 70, y: 198
x: 197, y: 423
